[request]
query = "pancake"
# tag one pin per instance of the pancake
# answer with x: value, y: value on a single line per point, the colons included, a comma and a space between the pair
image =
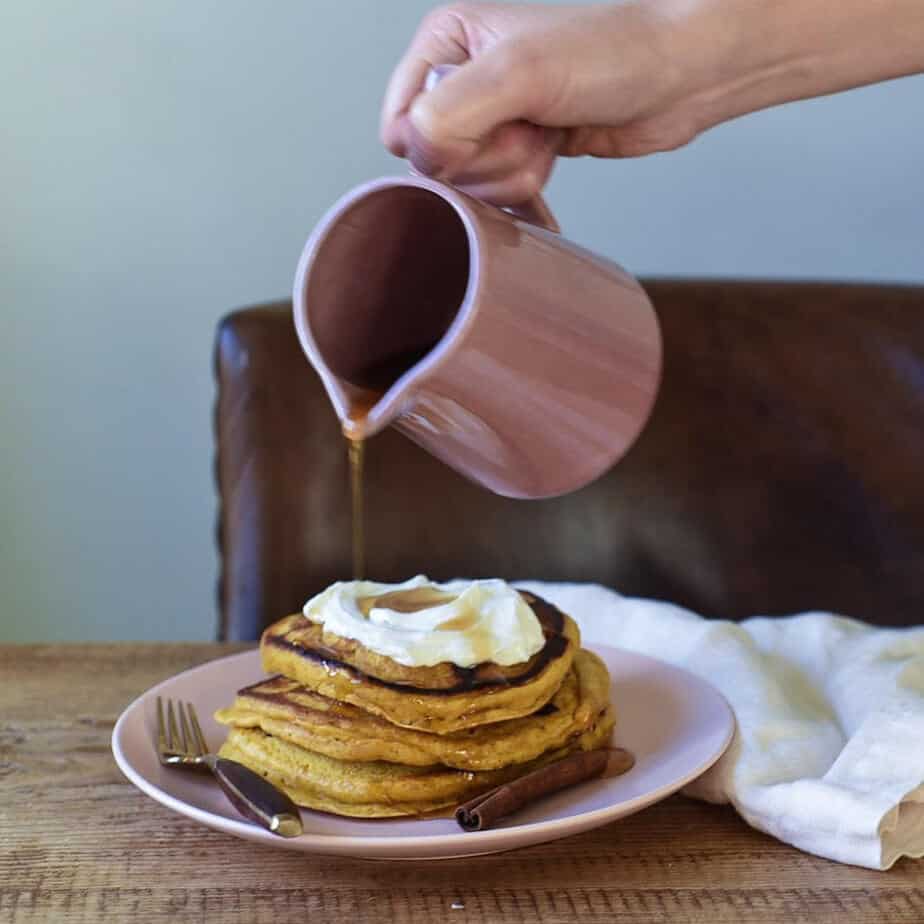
x: 284, y: 709
x: 378, y: 789
x: 440, y: 699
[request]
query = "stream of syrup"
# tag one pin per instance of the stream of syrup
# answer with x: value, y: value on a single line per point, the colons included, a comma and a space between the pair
x: 375, y: 380
x: 356, y: 449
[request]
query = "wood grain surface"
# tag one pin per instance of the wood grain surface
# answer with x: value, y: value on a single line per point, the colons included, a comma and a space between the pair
x: 79, y: 843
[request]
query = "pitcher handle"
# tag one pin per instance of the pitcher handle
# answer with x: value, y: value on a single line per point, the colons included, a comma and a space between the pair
x: 535, y: 210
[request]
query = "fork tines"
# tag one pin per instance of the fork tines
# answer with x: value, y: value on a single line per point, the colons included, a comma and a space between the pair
x: 185, y: 739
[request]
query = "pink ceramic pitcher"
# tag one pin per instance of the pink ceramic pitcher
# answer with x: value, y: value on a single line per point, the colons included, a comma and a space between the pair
x: 523, y: 361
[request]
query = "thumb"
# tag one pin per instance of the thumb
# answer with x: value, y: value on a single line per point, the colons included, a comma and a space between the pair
x: 447, y: 126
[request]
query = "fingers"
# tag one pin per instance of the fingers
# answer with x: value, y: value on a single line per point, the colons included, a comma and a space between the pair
x: 448, y: 127
x: 404, y: 85
x: 471, y: 128
x: 506, y: 151
x: 440, y: 39
x: 513, y: 166
x: 515, y: 187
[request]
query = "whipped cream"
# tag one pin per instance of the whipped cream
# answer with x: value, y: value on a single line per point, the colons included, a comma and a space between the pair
x: 421, y: 623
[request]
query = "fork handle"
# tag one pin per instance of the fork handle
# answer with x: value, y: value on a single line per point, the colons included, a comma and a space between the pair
x: 256, y: 798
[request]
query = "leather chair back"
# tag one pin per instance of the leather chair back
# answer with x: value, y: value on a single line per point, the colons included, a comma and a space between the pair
x: 782, y: 469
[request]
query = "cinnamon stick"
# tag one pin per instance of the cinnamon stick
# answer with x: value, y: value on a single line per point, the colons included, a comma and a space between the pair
x: 483, y: 811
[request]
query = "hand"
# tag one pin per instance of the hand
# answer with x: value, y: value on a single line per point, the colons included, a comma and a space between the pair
x: 540, y: 81
x: 622, y: 79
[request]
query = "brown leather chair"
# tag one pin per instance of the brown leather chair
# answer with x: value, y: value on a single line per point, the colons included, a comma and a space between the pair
x: 782, y: 469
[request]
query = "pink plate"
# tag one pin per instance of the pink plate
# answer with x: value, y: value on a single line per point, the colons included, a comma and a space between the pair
x: 676, y: 725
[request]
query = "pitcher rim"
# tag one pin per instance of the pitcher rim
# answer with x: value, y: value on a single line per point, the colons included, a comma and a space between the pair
x: 386, y: 409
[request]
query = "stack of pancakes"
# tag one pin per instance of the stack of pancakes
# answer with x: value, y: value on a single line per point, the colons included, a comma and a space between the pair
x: 343, y: 729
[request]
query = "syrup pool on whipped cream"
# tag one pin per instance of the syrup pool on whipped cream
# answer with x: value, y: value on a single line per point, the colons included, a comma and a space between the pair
x: 420, y: 623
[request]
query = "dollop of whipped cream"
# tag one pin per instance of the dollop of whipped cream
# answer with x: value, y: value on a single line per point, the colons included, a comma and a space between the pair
x: 421, y: 623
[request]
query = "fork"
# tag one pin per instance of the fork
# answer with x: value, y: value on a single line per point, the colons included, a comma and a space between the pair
x: 252, y: 795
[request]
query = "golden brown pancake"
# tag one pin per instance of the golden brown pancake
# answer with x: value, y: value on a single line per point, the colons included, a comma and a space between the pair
x: 378, y: 789
x: 284, y: 709
x: 441, y: 699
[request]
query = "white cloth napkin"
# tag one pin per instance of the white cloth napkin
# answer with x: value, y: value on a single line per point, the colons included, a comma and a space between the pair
x: 829, y: 751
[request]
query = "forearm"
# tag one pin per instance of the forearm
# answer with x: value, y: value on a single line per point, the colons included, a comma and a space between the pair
x: 752, y: 54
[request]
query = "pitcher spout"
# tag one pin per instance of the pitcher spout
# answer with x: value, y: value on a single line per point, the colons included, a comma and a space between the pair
x: 366, y: 413
x: 379, y: 287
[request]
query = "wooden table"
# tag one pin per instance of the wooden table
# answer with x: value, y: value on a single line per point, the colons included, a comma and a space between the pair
x: 79, y: 843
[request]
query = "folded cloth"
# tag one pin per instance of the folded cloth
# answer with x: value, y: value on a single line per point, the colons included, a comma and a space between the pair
x: 829, y: 751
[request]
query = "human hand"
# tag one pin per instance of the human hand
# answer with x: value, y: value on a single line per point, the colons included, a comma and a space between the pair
x: 537, y: 81
x: 621, y: 79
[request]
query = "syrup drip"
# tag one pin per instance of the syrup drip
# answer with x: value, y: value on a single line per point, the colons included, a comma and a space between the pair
x: 356, y: 450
